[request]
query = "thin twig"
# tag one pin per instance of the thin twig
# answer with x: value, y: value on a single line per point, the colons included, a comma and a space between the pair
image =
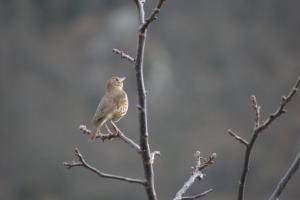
x: 104, y: 137
x: 256, y: 109
x: 238, y: 138
x: 196, y: 173
x: 124, y: 55
x: 259, y: 129
x: 286, y: 178
x: 139, y: 67
x: 81, y: 162
x: 280, y: 110
x: 197, y: 196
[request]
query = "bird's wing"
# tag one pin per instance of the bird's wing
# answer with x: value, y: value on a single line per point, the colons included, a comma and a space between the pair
x: 105, y: 107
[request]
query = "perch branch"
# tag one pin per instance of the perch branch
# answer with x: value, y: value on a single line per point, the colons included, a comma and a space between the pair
x: 196, y: 174
x: 259, y: 128
x: 139, y: 67
x: 104, y: 137
x: 286, y: 178
x: 81, y: 162
x: 124, y: 55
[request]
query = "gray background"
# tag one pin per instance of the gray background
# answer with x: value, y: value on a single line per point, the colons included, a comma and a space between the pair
x: 203, y: 61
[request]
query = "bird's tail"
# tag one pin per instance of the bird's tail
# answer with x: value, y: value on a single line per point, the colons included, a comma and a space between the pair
x: 96, y: 128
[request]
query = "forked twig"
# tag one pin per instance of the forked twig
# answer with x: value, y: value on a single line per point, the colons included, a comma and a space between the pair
x: 259, y: 128
x: 104, y: 137
x: 81, y: 162
x: 153, y: 15
x: 196, y: 174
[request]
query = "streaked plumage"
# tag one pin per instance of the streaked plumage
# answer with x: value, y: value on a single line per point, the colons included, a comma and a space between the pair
x: 112, y: 107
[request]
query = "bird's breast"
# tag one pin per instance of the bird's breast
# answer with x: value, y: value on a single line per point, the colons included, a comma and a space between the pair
x: 122, y: 106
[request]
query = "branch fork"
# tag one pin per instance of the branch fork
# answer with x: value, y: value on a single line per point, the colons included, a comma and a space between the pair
x: 259, y: 127
x: 82, y: 163
x: 201, y: 163
x: 152, y: 17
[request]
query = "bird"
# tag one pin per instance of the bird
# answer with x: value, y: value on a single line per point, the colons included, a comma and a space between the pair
x: 112, y: 107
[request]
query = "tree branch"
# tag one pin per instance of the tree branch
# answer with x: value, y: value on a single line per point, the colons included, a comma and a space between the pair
x: 256, y: 109
x: 139, y: 66
x: 280, y: 110
x: 259, y: 128
x: 124, y: 55
x: 238, y: 138
x: 197, y: 196
x: 153, y: 15
x: 286, y: 178
x: 104, y: 137
x: 81, y: 162
x: 196, y: 174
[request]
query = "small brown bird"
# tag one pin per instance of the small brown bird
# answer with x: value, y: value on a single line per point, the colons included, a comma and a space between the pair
x: 112, y: 107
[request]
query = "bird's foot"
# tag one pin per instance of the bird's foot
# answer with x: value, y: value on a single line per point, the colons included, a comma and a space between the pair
x: 118, y: 132
x: 110, y: 134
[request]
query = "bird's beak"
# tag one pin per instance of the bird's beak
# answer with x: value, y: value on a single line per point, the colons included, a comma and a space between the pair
x: 123, y: 79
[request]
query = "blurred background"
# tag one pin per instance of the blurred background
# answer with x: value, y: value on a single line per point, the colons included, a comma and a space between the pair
x: 203, y: 61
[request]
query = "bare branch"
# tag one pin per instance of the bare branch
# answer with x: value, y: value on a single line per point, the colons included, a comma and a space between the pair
x: 286, y: 178
x: 124, y: 55
x: 153, y: 15
x: 196, y: 174
x: 259, y: 128
x: 188, y: 184
x: 238, y: 138
x: 130, y: 142
x: 81, y: 162
x: 280, y: 110
x: 139, y: 68
x: 197, y: 196
x: 104, y: 137
x: 256, y: 109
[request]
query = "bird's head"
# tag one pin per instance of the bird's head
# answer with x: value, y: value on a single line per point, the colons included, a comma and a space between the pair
x: 115, y: 82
